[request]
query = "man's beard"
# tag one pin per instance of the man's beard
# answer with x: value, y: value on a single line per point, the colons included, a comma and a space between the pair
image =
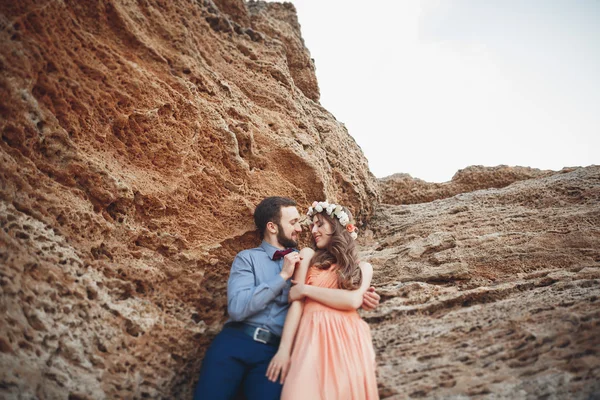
x: 285, y: 241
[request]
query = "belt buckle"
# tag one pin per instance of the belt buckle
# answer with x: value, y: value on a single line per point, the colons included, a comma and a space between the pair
x: 255, y: 336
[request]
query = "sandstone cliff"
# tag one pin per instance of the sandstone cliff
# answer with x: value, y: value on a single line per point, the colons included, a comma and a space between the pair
x: 137, y: 138
x: 404, y: 189
x: 493, y: 293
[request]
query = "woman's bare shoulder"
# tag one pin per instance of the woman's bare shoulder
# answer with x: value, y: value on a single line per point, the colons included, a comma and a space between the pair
x: 365, y: 266
x: 307, y: 251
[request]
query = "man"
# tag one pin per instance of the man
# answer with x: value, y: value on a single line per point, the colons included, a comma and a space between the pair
x: 257, y: 303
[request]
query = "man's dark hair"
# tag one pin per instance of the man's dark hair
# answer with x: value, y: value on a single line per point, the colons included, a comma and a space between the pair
x: 269, y: 210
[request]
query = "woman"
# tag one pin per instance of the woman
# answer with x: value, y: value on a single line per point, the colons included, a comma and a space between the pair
x: 332, y: 355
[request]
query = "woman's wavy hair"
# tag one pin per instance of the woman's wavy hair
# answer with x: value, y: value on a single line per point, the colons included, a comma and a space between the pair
x: 340, y: 250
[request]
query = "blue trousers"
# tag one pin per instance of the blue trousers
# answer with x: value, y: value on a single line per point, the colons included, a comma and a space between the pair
x: 235, y: 365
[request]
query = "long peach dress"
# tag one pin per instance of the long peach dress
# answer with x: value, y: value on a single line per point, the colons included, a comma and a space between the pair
x: 333, y: 356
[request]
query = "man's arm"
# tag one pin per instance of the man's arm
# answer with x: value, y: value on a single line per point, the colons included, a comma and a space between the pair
x: 244, y: 299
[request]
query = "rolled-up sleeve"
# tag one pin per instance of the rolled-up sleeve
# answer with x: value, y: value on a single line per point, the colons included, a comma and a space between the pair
x: 245, y: 298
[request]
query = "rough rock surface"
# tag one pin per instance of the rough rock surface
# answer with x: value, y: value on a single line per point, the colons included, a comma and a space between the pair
x: 492, y: 294
x: 136, y: 140
x: 404, y: 189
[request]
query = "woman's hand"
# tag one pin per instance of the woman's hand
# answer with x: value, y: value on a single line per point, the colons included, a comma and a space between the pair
x: 296, y: 292
x: 280, y: 364
x: 370, y: 299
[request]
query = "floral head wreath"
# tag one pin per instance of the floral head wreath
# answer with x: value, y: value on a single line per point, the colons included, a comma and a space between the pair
x: 333, y: 210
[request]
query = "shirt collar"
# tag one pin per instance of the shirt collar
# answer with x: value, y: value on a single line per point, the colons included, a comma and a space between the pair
x: 269, y: 249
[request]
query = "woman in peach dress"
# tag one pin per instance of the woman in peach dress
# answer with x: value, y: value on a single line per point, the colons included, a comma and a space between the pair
x: 332, y: 356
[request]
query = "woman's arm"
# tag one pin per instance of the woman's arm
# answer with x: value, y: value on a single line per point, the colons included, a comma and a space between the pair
x: 336, y: 298
x: 281, y: 361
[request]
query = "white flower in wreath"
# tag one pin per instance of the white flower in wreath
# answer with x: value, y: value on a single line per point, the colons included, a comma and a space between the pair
x: 354, y: 235
x: 338, y: 210
x: 319, y: 208
x: 330, y: 209
x: 343, y: 216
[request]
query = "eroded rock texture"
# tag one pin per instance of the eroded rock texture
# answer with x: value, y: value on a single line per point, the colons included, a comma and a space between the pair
x: 493, y: 293
x: 136, y: 139
x: 404, y: 189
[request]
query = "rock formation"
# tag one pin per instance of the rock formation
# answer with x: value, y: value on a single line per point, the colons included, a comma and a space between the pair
x: 494, y: 292
x: 136, y: 140
x: 404, y: 189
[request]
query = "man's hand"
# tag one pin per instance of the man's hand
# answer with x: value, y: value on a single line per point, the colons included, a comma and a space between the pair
x: 370, y: 300
x: 280, y: 363
x: 290, y: 261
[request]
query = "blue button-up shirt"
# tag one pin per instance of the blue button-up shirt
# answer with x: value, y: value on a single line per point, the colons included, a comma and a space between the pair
x: 256, y: 293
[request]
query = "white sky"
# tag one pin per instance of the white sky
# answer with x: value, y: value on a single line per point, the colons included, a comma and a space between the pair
x: 432, y: 86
